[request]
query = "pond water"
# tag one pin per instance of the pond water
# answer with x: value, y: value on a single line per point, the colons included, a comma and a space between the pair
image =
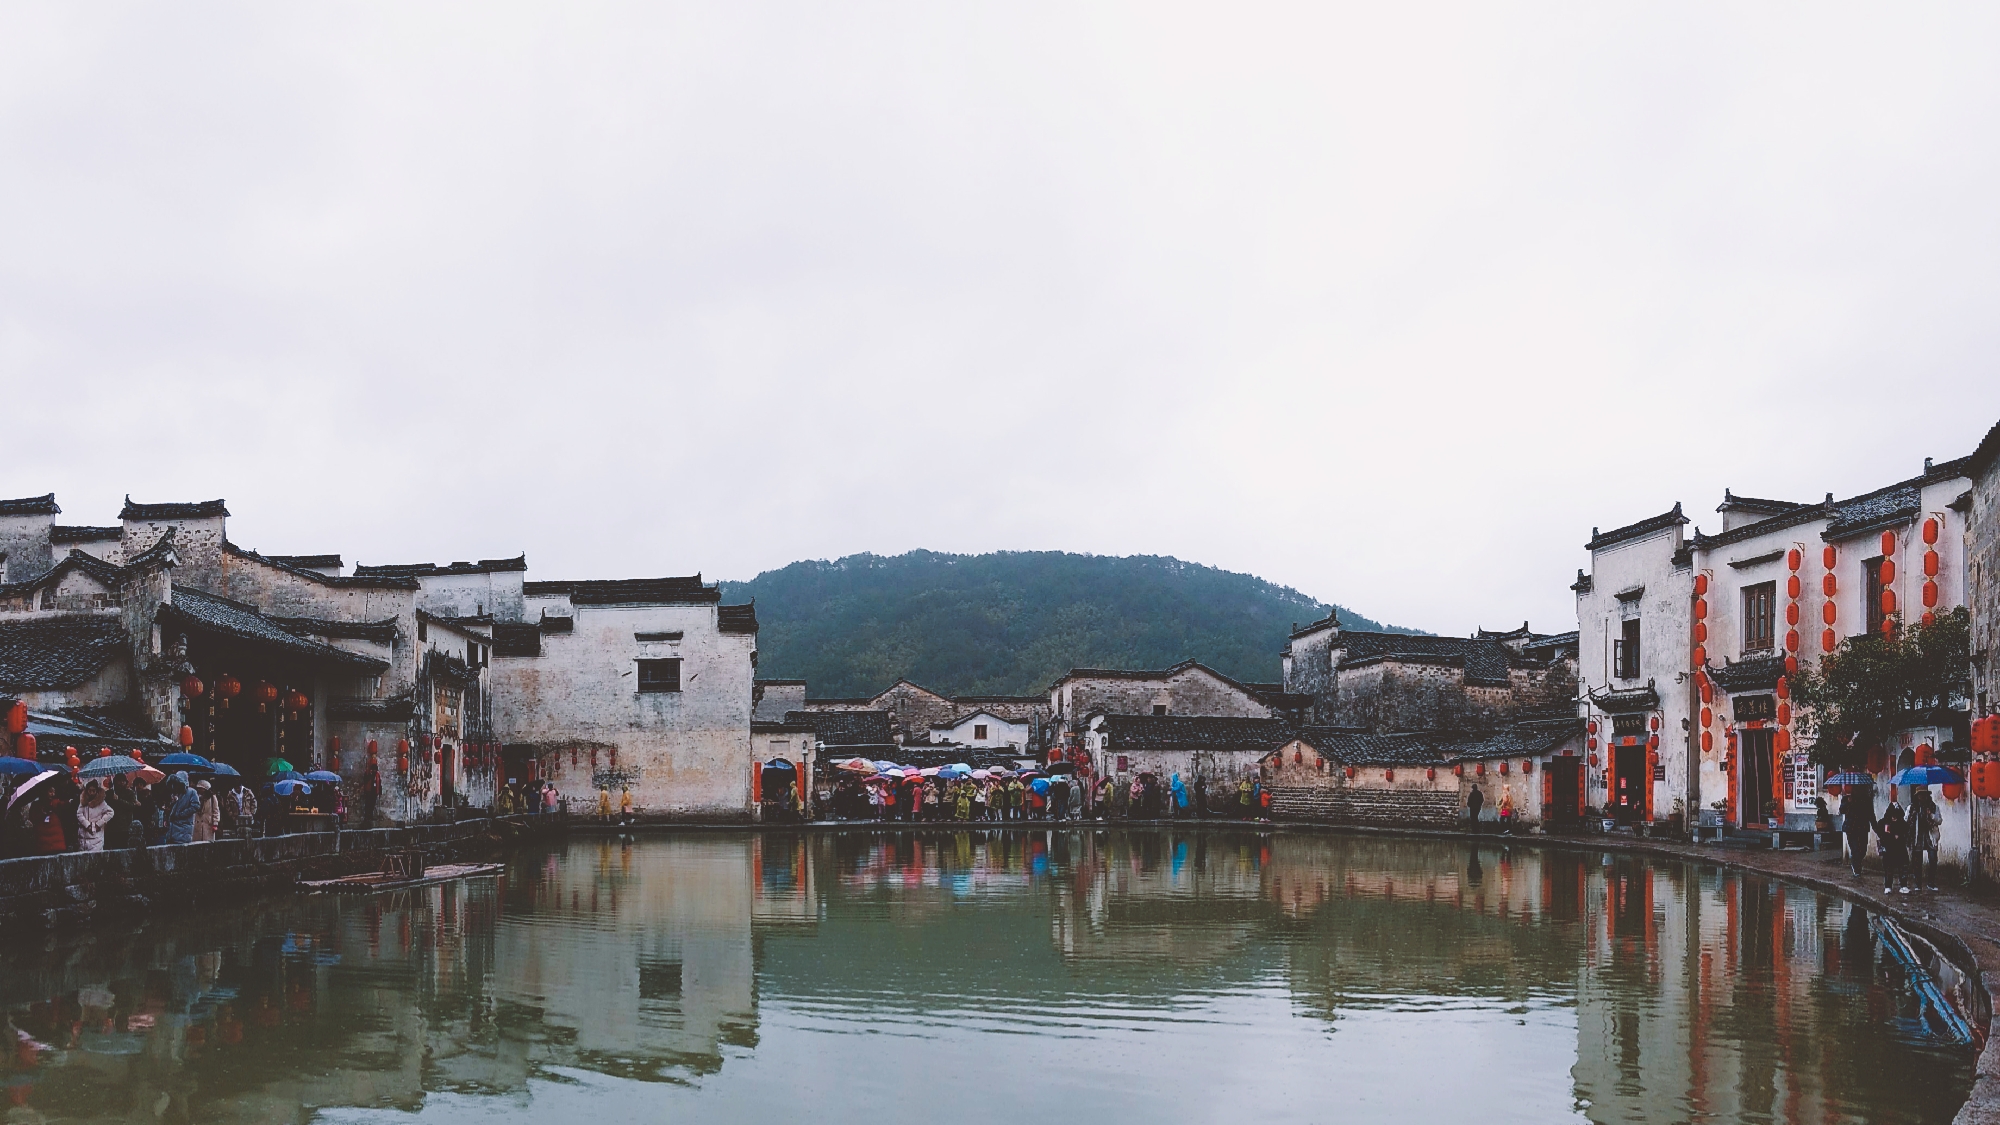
x: 994, y: 976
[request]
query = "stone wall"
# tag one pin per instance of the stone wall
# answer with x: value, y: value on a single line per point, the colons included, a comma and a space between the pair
x: 1189, y: 691
x: 1396, y: 695
x: 1981, y: 562
x: 79, y: 888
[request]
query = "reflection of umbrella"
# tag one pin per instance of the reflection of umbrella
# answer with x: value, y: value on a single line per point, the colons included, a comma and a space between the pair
x: 224, y: 769
x: 1927, y: 775
x: 291, y: 788
x: 183, y: 758
x: 106, y: 767
x: 323, y: 775
x: 34, y: 782
x: 23, y: 766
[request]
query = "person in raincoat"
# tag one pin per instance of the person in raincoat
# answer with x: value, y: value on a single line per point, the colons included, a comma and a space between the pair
x: 624, y: 806
x: 1506, y: 810
x: 962, y: 799
x: 208, y: 817
x: 1180, y: 795
x: 1243, y: 798
x: 184, y: 805
x: 604, y: 804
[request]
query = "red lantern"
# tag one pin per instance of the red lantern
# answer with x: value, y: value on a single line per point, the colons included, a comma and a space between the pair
x: 1656, y: 722
x: 1792, y: 586
x: 1826, y: 613
x: 1929, y: 618
x: 265, y: 693
x: 1791, y: 665
x: 1593, y: 761
x: 1700, y: 608
x: 1954, y: 791
x: 17, y: 717
x: 1781, y: 742
x: 1431, y: 774
x: 1930, y: 594
x: 297, y: 702
x: 1827, y: 557
x: 1707, y: 716
x: 24, y: 746
x: 1793, y: 559
x: 1350, y: 773
x: 402, y: 765
x: 1388, y: 775
x: 192, y: 687
x: 1480, y: 769
x: 1591, y: 726
x: 1888, y: 601
x: 372, y: 749
x: 1827, y: 585
x: 72, y: 757
x: 1931, y: 530
x: 187, y: 737
x: 1888, y: 571
x: 1828, y: 641
x: 1791, y: 613
x: 1784, y: 714
x: 1792, y: 638
x: 1528, y: 766
x: 1707, y: 742
x: 1700, y: 656
x: 1700, y: 584
x: 1888, y: 543
x: 1926, y: 755
x: 226, y: 689
x: 1707, y: 691
x: 1700, y: 631
x: 439, y: 757
x: 1652, y: 742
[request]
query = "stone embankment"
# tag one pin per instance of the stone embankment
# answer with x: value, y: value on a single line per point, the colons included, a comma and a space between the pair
x: 55, y: 892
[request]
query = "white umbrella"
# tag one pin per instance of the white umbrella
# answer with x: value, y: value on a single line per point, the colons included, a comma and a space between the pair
x: 39, y: 779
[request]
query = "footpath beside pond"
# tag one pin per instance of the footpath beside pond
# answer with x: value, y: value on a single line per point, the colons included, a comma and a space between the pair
x: 126, y: 885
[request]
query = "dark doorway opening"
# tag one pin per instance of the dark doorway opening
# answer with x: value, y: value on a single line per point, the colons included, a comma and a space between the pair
x: 1755, y: 758
x: 1628, y: 794
x: 1565, y: 791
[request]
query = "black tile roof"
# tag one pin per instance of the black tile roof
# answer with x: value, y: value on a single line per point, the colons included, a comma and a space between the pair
x: 1330, y: 621
x: 31, y: 506
x: 1857, y: 515
x: 425, y: 570
x: 1436, y: 748
x: 89, y: 728
x: 203, y: 509
x: 762, y: 682
x: 309, y: 562
x: 1734, y: 503
x: 687, y: 590
x: 510, y: 639
x: 1029, y: 700
x: 398, y: 707
x: 1666, y: 519
x: 82, y: 533
x: 1192, y: 732
x: 846, y: 728
x: 335, y: 581
x: 193, y: 609
x: 383, y: 631
x: 1627, y: 701
x: 460, y: 625
x: 1552, y: 642
x: 1989, y: 451
x: 736, y: 618
x: 58, y: 653
x: 1756, y: 674
x: 1484, y: 659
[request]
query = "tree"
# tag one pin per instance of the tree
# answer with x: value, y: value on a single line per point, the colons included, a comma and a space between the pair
x: 1874, y: 687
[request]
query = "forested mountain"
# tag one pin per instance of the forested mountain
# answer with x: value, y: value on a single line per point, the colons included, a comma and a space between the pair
x: 1009, y: 623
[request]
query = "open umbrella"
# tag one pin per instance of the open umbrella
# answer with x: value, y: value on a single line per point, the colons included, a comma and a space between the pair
x: 855, y: 765
x: 21, y: 766
x: 778, y: 764
x: 184, y: 760
x: 150, y: 776
x: 1040, y: 785
x: 224, y: 769
x: 324, y: 775
x: 106, y: 767
x: 30, y: 785
x: 1062, y: 767
x: 1927, y: 775
x: 288, y: 788
x: 1851, y: 777
x: 277, y: 766
x: 289, y: 775
x: 885, y: 764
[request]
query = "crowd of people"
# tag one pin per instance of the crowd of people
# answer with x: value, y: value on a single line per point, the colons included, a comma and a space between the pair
x: 63, y: 814
x: 527, y: 798
x: 862, y: 790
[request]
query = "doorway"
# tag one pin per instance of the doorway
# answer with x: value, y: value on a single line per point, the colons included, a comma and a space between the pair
x: 1757, y: 775
x: 1565, y: 782
x: 1628, y: 798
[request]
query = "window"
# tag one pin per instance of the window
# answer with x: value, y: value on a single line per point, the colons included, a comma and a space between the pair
x: 1760, y: 621
x: 423, y: 630
x: 659, y: 675
x: 1625, y: 651
x: 979, y: 731
x: 1874, y: 582
x: 1159, y: 708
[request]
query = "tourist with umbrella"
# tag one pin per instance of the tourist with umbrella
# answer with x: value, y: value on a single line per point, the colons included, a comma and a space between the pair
x: 184, y: 805
x: 1857, y: 812
x: 1926, y: 821
x: 92, y: 817
x: 27, y: 827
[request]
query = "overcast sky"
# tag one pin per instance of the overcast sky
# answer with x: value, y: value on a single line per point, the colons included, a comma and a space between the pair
x: 1387, y: 302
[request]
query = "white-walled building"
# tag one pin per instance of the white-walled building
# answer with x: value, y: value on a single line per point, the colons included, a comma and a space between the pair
x: 981, y: 730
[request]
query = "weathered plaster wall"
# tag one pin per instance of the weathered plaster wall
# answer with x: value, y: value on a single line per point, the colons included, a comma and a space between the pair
x: 1190, y: 691
x: 25, y: 552
x: 685, y: 754
x: 1979, y: 561
x: 1664, y: 614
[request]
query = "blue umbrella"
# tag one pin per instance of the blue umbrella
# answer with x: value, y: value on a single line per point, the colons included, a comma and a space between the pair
x: 110, y: 766
x: 21, y: 766
x: 1851, y: 777
x: 885, y: 765
x: 224, y: 769
x: 289, y: 788
x: 184, y: 759
x: 290, y: 775
x: 778, y: 764
x: 1927, y: 775
x: 323, y: 775
x: 1040, y: 785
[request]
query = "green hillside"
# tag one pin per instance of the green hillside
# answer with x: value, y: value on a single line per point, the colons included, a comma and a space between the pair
x: 1009, y: 623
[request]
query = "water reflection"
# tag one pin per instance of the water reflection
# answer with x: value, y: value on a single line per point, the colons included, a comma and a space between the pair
x: 992, y: 976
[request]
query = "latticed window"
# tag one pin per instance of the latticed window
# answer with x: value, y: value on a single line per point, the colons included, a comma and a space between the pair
x: 1760, y: 620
